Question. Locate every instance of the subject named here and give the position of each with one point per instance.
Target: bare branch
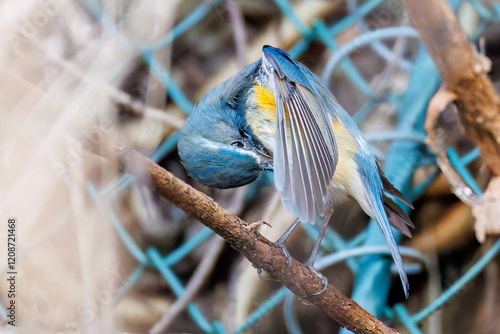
(436, 142)
(463, 71)
(261, 252)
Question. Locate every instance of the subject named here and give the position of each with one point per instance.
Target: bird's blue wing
(305, 153)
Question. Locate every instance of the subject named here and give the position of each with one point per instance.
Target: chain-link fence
(385, 70)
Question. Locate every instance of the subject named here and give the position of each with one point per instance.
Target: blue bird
(276, 115)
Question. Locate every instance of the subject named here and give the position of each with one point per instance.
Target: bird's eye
(238, 143)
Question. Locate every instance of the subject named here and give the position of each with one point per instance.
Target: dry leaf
(487, 211)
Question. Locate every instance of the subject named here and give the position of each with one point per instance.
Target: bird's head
(214, 146)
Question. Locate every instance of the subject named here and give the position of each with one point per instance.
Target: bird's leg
(312, 258)
(281, 244)
(281, 241)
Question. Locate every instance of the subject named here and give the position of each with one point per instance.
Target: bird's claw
(259, 273)
(259, 223)
(289, 258)
(320, 275)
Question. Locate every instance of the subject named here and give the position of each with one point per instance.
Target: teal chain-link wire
(364, 254)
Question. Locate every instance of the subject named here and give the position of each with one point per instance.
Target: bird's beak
(266, 160)
(267, 166)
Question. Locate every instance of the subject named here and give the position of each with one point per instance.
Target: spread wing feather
(305, 153)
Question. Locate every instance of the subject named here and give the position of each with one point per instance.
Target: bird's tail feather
(383, 211)
(384, 221)
(397, 217)
(389, 188)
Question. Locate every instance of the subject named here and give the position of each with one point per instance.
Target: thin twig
(239, 32)
(240, 235)
(195, 283)
(137, 107)
(436, 142)
(463, 71)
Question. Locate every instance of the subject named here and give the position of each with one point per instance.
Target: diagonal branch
(299, 279)
(463, 71)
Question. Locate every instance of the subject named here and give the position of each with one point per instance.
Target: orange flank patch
(261, 114)
(265, 100)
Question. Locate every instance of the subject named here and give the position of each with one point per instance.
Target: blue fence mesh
(372, 280)
(366, 255)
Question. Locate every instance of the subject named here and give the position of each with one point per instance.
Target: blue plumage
(277, 115)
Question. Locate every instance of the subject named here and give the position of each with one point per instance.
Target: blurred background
(99, 252)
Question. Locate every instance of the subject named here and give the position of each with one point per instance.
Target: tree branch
(263, 254)
(463, 70)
